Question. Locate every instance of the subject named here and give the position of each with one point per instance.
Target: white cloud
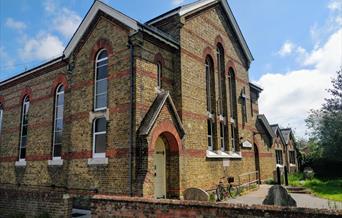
(42, 47)
(335, 5)
(49, 6)
(66, 22)
(287, 98)
(14, 24)
(177, 2)
(287, 48)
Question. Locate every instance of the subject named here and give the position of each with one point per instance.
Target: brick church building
(143, 109)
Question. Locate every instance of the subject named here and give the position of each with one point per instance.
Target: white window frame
(223, 134)
(25, 111)
(1, 117)
(58, 93)
(96, 81)
(98, 155)
(159, 75)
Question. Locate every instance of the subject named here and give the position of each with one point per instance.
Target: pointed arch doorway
(160, 169)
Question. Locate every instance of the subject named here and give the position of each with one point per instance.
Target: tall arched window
(159, 74)
(58, 123)
(1, 116)
(210, 93)
(99, 137)
(222, 101)
(233, 110)
(24, 128)
(101, 73)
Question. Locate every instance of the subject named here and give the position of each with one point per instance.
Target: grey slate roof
(276, 128)
(154, 111)
(262, 118)
(286, 133)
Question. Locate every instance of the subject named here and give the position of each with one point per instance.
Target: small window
(244, 106)
(99, 137)
(159, 75)
(279, 157)
(24, 128)
(58, 123)
(1, 116)
(223, 135)
(101, 73)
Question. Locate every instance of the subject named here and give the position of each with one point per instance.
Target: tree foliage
(326, 124)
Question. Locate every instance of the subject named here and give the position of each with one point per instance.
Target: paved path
(303, 200)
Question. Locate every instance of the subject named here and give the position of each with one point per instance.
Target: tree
(326, 123)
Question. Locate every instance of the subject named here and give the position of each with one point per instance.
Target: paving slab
(303, 200)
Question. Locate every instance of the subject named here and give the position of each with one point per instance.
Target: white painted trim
(98, 161)
(20, 163)
(98, 6)
(223, 155)
(30, 71)
(55, 162)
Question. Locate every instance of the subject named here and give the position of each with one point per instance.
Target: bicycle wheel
(233, 191)
(219, 193)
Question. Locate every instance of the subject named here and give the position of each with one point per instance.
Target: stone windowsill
(293, 165)
(98, 161)
(223, 155)
(280, 166)
(21, 163)
(55, 162)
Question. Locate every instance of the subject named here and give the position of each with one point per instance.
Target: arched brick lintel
(60, 79)
(168, 131)
(230, 64)
(159, 58)
(27, 91)
(208, 52)
(102, 43)
(219, 40)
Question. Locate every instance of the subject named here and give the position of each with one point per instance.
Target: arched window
(24, 128)
(159, 74)
(1, 116)
(99, 137)
(222, 100)
(233, 110)
(210, 93)
(101, 73)
(58, 123)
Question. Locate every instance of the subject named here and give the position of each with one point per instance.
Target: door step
(298, 190)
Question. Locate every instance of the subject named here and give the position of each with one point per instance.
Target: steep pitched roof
(154, 111)
(201, 4)
(287, 133)
(262, 118)
(276, 128)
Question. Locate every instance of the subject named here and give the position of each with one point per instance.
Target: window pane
(23, 141)
(101, 86)
(101, 72)
(100, 125)
(102, 55)
(101, 101)
(24, 133)
(57, 150)
(100, 143)
(22, 153)
(60, 99)
(59, 125)
(25, 119)
(59, 112)
(209, 127)
(58, 138)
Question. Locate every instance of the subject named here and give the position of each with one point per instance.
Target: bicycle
(231, 190)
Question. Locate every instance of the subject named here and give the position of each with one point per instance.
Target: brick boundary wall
(118, 206)
(25, 201)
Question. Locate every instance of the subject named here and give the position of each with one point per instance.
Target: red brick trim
(27, 91)
(2, 101)
(251, 154)
(219, 40)
(166, 129)
(208, 52)
(101, 43)
(60, 79)
(159, 58)
(230, 64)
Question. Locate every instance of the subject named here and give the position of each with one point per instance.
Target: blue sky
(290, 40)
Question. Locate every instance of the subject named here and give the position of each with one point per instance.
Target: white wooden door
(159, 170)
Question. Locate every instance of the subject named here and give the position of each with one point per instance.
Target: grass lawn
(329, 188)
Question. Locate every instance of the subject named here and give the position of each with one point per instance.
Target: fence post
(286, 179)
